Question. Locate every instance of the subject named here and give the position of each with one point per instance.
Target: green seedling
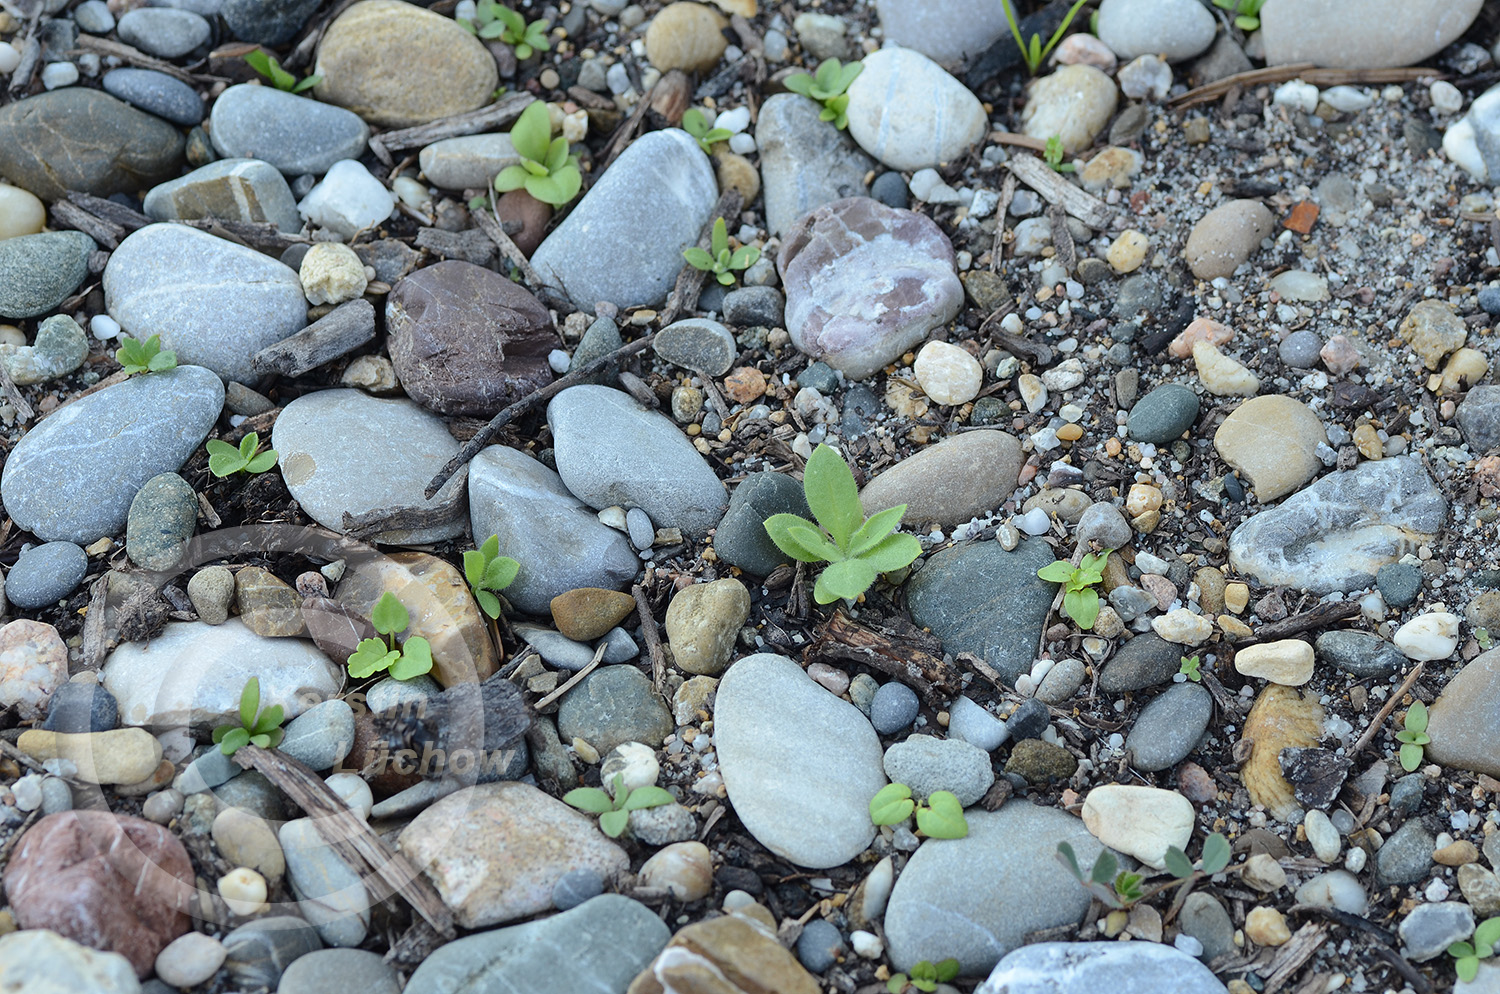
(828, 86)
(925, 976)
(1413, 736)
(488, 573)
(256, 727)
(856, 548)
(614, 812)
(1246, 13)
(405, 661)
(495, 21)
(1033, 52)
(941, 817)
(1080, 599)
(1189, 669)
(1053, 156)
(1120, 889)
(547, 171)
(1466, 955)
(721, 262)
(144, 357)
(226, 460)
(1215, 857)
(1482, 636)
(695, 123)
(266, 64)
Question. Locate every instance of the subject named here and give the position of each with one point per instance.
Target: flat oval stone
(647, 207)
(1363, 655)
(294, 134)
(1145, 661)
(698, 344)
(163, 31)
(267, 22)
(466, 340)
(155, 93)
(81, 139)
(1273, 441)
(1226, 236)
(101, 449)
(396, 64)
(865, 282)
(468, 161)
(1163, 415)
(162, 517)
(958, 478)
(215, 303)
(1386, 33)
(1466, 718)
(559, 542)
(612, 451)
(910, 114)
(233, 189)
(805, 162)
(260, 950)
(340, 969)
(1117, 967)
(38, 272)
(948, 32)
(1074, 103)
(1173, 29)
(330, 893)
(1169, 727)
(326, 440)
(44, 574)
(800, 765)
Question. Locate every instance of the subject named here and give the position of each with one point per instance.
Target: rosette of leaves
(828, 85)
(488, 573)
(940, 817)
(1080, 599)
(1413, 736)
(410, 659)
(135, 356)
(614, 812)
(695, 123)
(1466, 955)
(721, 262)
(546, 171)
(856, 548)
(493, 20)
(226, 460)
(256, 727)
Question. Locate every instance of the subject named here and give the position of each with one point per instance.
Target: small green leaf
(1216, 853)
(946, 969)
(698, 259)
(250, 702)
(778, 528)
(314, 80)
(813, 541)
(262, 462)
(1058, 571)
(891, 805)
(827, 75)
(613, 823)
(233, 740)
(389, 615)
(694, 123)
(1247, 23)
(799, 83)
(220, 732)
(896, 984)
(875, 528)
(1104, 868)
(647, 797)
(1467, 968)
(846, 580)
(848, 74)
(500, 573)
(259, 61)
(1069, 860)
(523, 51)
(248, 445)
(415, 661)
(1082, 606)
(892, 553)
(269, 719)
(1460, 949)
(474, 566)
(725, 278)
(511, 178)
(491, 547)
(1406, 736)
(1411, 757)
(744, 257)
(1177, 863)
(832, 495)
(942, 817)
(1416, 717)
(590, 799)
(532, 132)
(371, 656)
(719, 239)
(1487, 935)
(488, 603)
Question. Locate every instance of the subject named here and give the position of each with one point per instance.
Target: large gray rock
(975, 898)
(1465, 721)
(598, 946)
(612, 451)
(910, 114)
(865, 282)
(295, 134)
(1086, 967)
(233, 189)
(623, 241)
(1386, 33)
(950, 482)
(560, 544)
(805, 162)
(326, 441)
(193, 674)
(100, 450)
(1337, 533)
(947, 32)
(799, 764)
(1173, 29)
(979, 598)
(213, 302)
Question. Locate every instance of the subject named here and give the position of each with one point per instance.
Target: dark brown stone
(113, 883)
(518, 205)
(371, 757)
(335, 629)
(465, 340)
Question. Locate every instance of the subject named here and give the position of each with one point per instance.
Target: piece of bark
(1055, 190)
(334, 335)
(469, 245)
(70, 215)
(491, 118)
(1319, 617)
(901, 651)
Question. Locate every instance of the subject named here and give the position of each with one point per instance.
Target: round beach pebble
(1226, 236)
(21, 212)
(948, 374)
(686, 36)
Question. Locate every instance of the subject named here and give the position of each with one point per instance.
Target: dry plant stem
(1055, 190)
(382, 869)
(496, 115)
(1296, 952)
(1390, 705)
(574, 680)
(997, 248)
(1323, 614)
(653, 637)
(1305, 71)
(483, 437)
(12, 394)
(104, 46)
(93, 625)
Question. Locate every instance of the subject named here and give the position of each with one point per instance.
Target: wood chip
(1055, 190)
(1295, 953)
(491, 118)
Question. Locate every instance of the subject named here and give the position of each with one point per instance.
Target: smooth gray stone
(698, 344)
(38, 272)
(975, 898)
(94, 16)
(163, 31)
(1479, 416)
(613, 705)
(1205, 919)
(623, 241)
(1430, 929)
(232, 189)
(741, 538)
(340, 971)
(1086, 967)
(1337, 533)
(162, 518)
(612, 451)
(621, 647)
(601, 945)
(602, 338)
(297, 135)
(215, 303)
(560, 544)
(261, 950)
(979, 598)
(1163, 414)
(1406, 855)
(267, 22)
(81, 707)
(328, 890)
(762, 306)
(1360, 654)
(156, 93)
(1173, 29)
(332, 336)
(926, 764)
(208, 771)
(804, 162)
(44, 574)
(321, 736)
(1169, 727)
(101, 449)
(555, 647)
(1145, 661)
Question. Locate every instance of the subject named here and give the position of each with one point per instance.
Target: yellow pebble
(1367, 441)
(1266, 927)
(1236, 597)
(1070, 433)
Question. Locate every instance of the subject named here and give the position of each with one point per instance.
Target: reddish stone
(113, 883)
(1302, 218)
(518, 205)
(465, 340)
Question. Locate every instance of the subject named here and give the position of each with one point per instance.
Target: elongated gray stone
(328, 890)
(1337, 533)
(233, 189)
(37, 272)
(805, 162)
(98, 451)
(1117, 967)
(295, 134)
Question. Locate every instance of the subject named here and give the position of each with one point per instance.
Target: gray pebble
(155, 93)
(211, 590)
(927, 764)
(94, 17)
(163, 31)
(819, 945)
(1028, 721)
(1205, 919)
(1406, 856)
(575, 887)
(890, 189)
(1061, 682)
(44, 574)
(162, 806)
(893, 708)
(1169, 727)
(1406, 793)
(620, 647)
(556, 648)
(81, 707)
(162, 517)
(754, 305)
(1399, 583)
(642, 531)
(820, 376)
(1362, 654)
(699, 344)
(1163, 414)
(1431, 928)
(862, 691)
(663, 825)
(1137, 294)
(56, 796)
(1300, 349)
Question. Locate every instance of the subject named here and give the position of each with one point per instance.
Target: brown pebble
(1457, 853)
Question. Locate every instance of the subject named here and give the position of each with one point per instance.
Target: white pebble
(1446, 98)
(742, 143)
(1354, 859)
(59, 74)
(1349, 99)
(466, 10)
(354, 791)
(1151, 564)
(104, 327)
(412, 193)
(559, 361)
(1187, 944)
(734, 121)
(243, 890)
(9, 58)
(1034, 522)
(1428, 636)
(28, 792)
(1297, 95)
(1436, 891)
(1321, 834)
(866, 944)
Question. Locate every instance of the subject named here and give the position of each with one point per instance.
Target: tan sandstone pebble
(331, 273)
(686, 36)
(702, 622)
(1458, 853)
(1266, 927)
(1112, 167)
(1226, 237)
(1263, 873)
(1221, 375)
(1367, 441)
(1288, 662)
(1236, 597)
(122, 756)
(947, 373)
(1273, 441)
(1433, 330)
